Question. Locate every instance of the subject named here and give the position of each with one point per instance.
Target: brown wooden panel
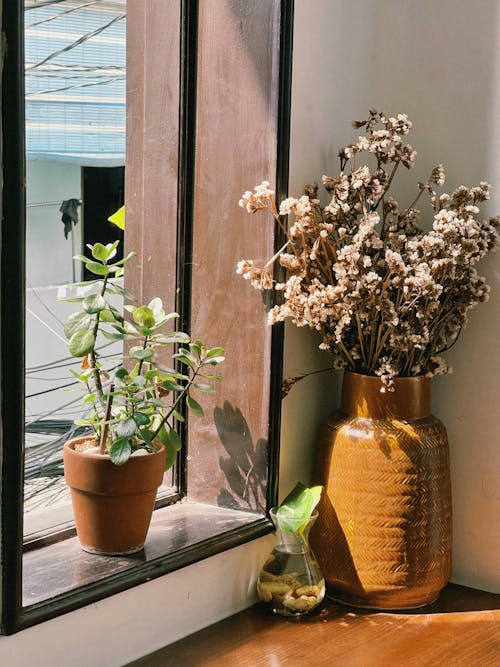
(153, 65)
(236, 148)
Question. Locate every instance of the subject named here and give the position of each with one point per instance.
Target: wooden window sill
(461, 629)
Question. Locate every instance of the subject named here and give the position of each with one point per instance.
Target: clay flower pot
(112, 504)
(383, 536)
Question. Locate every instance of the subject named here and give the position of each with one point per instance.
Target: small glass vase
(291, 582)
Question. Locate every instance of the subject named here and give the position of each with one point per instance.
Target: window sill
(61, 577)
(462, 622)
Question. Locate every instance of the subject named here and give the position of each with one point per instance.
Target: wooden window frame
(12, 303)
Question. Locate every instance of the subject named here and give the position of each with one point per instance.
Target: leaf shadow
(245, 466)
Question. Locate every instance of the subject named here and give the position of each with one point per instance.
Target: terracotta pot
(112, 505)
(383, 536)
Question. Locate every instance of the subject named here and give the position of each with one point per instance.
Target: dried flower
(387, 297)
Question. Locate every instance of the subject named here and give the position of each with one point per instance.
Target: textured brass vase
(383, 536)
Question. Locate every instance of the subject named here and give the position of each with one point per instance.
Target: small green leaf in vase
(295, 511)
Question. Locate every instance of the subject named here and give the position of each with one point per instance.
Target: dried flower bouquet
(387, 296)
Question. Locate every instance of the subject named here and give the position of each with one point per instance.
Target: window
(208, 113)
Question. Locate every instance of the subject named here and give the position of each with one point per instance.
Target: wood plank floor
(461, 629)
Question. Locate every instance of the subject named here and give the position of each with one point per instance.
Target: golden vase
(383, 536)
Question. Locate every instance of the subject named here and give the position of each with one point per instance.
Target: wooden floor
(462, 629)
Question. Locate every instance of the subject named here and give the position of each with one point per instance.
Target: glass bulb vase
(291, 582)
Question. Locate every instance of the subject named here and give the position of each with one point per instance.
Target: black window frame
(15, 617)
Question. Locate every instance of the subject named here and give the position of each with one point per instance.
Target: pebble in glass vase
(291, 582)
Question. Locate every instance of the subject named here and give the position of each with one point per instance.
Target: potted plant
(133, 404)
(388, 297)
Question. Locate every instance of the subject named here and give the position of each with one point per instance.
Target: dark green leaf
(171, 386)
(121, 373)
(184, 360)
(195, 407)
(76, 322)
(81, 343)
(120, 451)
(141, 419)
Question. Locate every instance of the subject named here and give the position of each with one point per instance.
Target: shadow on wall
(245, 467)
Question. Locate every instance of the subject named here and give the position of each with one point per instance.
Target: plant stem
(105, 423)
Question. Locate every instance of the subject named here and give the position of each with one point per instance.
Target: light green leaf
(76, 322)
(144, 316)
(94, 304)
(100, 252)
(295, 511)
(81, 343)
(215, 352)
(207, 388)
(126, 427)
(142, 354)
(213, 361)
(97, 269)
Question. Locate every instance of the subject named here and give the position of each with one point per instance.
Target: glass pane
(75, 155)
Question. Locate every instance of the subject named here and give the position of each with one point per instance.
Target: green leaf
(75, 322)
(213, 361)
(175, 439)
(177, 415)
(171, 338)
(212, 377)
(113, 336)
(295, 511)
(184, 360)
(120, 451)
(207, 388)
(82, 422)
(195, 407)
(100, 252)
(141, 353)
(215, 352)
(82, 258)
(126, 427)
(81, 343)
(146, 435)
(94, 304)
(121, 373)
(172, 442)
(151, 374)
(171, 386)
(89, 398)
(97, 269)
(141, 419)
(144, 316)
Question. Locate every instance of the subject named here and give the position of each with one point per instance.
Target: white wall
(48, 253)
(348, 56)
(440, 63)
